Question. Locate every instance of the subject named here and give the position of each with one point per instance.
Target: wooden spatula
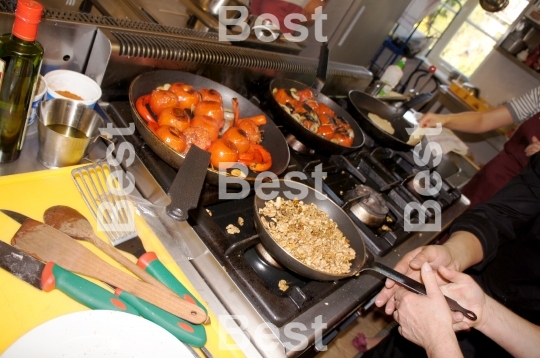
(74, 224)
(48, 244)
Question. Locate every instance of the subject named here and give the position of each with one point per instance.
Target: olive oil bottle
(20, 62)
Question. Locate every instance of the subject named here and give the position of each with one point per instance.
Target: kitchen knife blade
(49, 276)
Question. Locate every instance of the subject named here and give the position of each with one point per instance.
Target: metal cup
(66, 129)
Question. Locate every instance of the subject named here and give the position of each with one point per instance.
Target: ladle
(74, 224)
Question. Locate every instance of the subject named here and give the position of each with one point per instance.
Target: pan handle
(415, 286)
(322, 68)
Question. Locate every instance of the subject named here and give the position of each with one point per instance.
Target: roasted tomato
(282, 97)
(207, 123)
(325, 131)
(257, 158)
(251, 129)
(304, 94)
(160, 100)
(238, 137)
(198, 136)
(142, 107)
(325, 110)
(172, 137)
(187, 96)
(174, 117)
(342, 139)
(209, 94)
(312, 104)
(211, 109)
(223, 154)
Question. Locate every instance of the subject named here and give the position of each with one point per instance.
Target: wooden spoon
(48, 244)
(74, 224)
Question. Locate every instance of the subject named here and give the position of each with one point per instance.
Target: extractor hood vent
(132, 44)
(164, 48)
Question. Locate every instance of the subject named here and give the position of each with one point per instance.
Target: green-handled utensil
(49, 276)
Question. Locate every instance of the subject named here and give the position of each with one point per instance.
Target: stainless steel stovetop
(247, 286)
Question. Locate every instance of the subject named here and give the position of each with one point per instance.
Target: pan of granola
(309, 234)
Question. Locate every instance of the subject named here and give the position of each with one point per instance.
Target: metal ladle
(494, 5)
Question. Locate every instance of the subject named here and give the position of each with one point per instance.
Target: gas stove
(386, 174)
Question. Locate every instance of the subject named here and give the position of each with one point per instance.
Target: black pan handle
(187, 185)
(419, 99)
(415, 286)
(322, 68)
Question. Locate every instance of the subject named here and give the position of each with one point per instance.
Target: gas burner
(298, 146)
(266, 257)
(367, 204)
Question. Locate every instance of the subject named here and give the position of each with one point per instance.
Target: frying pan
(363, 104)
(363, 260)
(304, 135)
(273, 140)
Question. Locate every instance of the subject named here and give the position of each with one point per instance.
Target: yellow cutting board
(22, 306)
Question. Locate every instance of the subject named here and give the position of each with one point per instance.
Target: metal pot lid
(370, 200)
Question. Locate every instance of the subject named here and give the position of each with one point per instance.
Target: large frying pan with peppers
(267, 153)
(314, 119)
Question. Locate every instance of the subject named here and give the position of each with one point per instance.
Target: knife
(192, 334)
(47, 277)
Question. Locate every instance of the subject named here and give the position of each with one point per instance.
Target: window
(470, 33)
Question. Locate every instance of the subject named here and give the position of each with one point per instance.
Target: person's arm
(470, 122)
(477, 234)
(427, 320)
(461, 251)
(517, 336)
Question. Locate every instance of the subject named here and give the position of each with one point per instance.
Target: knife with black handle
(47, 277)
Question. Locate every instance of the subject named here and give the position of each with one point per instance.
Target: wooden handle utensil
(48, 244)
(74, 224)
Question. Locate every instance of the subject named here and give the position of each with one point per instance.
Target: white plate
(98, 333)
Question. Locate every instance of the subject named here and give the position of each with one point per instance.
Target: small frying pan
(303, 134)
(362, 262)
(363, 104)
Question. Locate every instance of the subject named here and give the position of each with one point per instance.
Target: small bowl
(65, 84)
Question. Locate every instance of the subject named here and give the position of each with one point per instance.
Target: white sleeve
(525, 106)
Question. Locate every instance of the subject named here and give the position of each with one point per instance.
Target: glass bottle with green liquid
(20, 62)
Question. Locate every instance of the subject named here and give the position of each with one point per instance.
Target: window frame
(434, 55)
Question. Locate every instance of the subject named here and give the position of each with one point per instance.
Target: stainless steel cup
(66, 129)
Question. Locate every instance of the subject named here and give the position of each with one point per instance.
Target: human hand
(533, 148)
(464, 290)
(431, 120)
(424, 320)
(409, 265)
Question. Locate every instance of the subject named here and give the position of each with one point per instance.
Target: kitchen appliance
(245, 285)
(386, 171)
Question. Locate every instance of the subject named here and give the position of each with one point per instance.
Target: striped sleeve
(525, 106)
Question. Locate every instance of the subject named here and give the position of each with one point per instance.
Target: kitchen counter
(24, 307)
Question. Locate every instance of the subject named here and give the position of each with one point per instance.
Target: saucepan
(364, 104)
(362, 261)
(273, 139)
